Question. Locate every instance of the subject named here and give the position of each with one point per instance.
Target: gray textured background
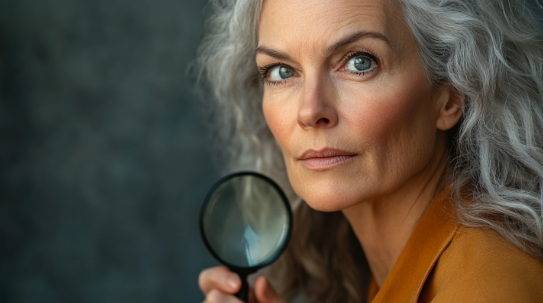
(103, 157)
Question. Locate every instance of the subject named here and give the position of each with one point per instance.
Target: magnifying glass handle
(243, 293)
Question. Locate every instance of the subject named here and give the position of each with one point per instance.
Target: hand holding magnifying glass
(245, 223)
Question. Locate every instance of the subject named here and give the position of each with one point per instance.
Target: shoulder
(481, 266)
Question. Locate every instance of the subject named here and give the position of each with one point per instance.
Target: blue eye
(281, 73)
(359, 64)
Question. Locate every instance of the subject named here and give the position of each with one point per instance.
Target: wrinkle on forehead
(313, 25)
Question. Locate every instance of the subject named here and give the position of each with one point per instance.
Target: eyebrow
(345, 41)
(355, 37)
(272, 53)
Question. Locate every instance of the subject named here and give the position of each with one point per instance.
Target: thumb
(265, 293)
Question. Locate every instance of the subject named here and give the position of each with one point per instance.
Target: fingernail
(233, 281)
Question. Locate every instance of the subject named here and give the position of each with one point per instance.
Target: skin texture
(390, 121)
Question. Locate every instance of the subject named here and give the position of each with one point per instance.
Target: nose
(317, 107)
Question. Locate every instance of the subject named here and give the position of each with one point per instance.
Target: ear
(451, 108)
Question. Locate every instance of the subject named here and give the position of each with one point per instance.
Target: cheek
(280, 112)
(380, 117)
(275, 121)
(394, 127)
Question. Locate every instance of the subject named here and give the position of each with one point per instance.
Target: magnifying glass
(245, 223)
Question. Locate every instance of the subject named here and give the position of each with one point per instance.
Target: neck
(384, 224)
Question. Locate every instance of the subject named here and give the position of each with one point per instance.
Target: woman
(411, 129)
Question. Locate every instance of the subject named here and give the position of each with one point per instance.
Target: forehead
(318, 22)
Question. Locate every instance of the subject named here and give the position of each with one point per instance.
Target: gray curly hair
(491, 51)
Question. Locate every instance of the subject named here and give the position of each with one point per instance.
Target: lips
(325, 159)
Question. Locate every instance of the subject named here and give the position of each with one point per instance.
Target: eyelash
(264, 70)
(357, 53)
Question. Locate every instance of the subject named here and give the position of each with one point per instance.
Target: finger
(220, 278)
(217, 296)
(252, 298)
(265, 293)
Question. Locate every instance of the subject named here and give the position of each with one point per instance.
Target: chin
(324, 206)
(332, 190)
(326, 198)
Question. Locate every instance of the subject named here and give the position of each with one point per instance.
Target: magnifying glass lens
(246, 221)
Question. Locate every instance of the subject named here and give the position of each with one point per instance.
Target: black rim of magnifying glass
(271, 258)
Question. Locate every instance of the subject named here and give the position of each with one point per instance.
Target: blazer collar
(431, 236)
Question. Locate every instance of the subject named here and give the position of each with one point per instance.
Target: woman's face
(347, 98)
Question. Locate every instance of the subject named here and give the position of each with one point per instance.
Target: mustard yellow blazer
(444, 261)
